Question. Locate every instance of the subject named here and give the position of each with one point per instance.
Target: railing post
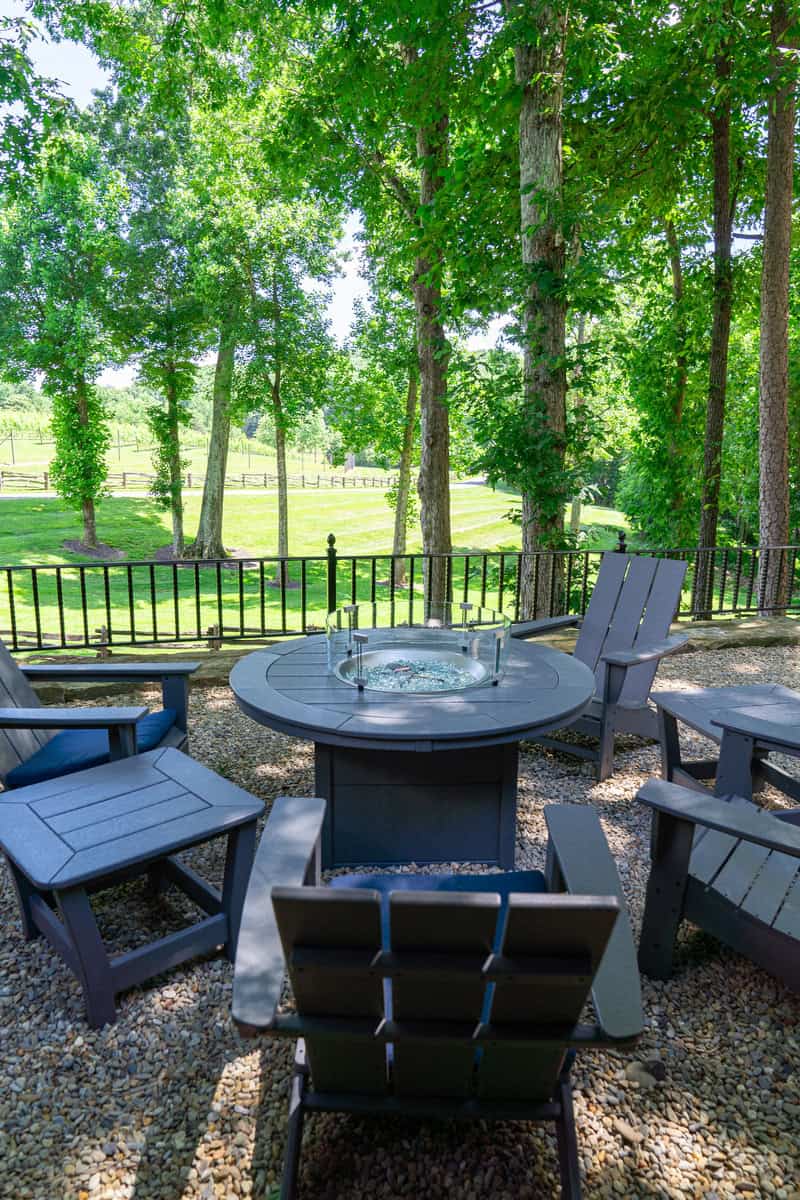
(621, 546)
(331, 573)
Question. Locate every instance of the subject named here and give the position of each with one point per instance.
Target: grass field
(144, 603)
(31, 455)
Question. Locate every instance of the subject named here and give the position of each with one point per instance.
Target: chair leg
(605, 753)
(238, 865)
(671, 848)
(294, 1138)
(567, 1140)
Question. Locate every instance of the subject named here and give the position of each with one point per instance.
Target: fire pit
(419, 763)
(454, 647)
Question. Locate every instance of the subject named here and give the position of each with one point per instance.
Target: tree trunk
(540, 72)
(724, 209)
(89, 523)
(580, 400)
(433, 484)
(404, 484)
(87, 503)
(280, 461)
(208, 543)
(174, 466)
(679, 326)
(773, 440)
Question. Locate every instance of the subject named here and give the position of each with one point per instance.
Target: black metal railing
(57, 606)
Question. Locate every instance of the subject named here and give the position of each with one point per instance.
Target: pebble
(170, 1102)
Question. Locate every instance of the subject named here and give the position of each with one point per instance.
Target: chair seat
(78, 749)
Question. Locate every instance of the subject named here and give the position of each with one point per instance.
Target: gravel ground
(170, 1103)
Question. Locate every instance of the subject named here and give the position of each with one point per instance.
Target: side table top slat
(87, 787)
(95, 811)
(129, 825)
(39, 852)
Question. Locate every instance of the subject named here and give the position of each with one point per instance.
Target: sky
(80, 73)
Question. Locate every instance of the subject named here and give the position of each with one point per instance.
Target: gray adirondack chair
(40, 742)
(729, 866)
(462, 1000)
(622, 638)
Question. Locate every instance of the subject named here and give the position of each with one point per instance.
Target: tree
(59, 254)
(288, 352)
(539, 66)
(773, 443)
(158, 314)
(376, 406)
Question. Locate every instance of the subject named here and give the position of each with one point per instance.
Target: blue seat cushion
(502, 883)
(77, 749)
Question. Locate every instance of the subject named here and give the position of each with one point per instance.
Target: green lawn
(32, 532)
(33, 456)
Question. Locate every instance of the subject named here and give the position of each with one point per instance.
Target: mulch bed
(102, 550)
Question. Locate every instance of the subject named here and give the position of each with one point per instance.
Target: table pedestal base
(391, 807)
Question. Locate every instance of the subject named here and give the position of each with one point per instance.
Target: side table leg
(670, 744)
(24, 889)
(238, 865)
(93, 967)
(735, 770)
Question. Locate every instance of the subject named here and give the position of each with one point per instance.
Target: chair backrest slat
(450, 925)
(662, 604)
(631, 602)
(17, 745)
(602, 604)
(543, 926)
(348, 919)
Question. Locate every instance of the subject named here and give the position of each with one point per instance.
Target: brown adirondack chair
(462, 1000)
(40, 742)
(622, 638)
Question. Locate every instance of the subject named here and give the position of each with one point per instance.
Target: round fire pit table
(413, 777)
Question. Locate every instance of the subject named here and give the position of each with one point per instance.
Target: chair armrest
(70, 718)
(583, 861)
(746, 821)
(288, 848)
(643, 654)
(526, 629)
(90, 672)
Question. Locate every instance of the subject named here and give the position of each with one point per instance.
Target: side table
(70, 836)
(748, 722)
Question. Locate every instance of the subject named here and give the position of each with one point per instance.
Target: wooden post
(331, 573)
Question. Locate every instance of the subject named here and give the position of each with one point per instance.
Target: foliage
(32, 107)
(59, 252)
